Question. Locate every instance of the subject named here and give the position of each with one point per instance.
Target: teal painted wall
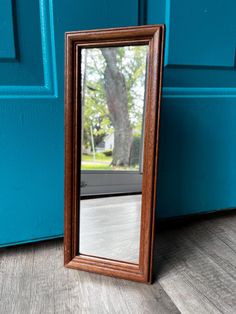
(197, 169)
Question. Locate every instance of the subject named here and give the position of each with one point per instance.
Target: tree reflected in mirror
(113, 92)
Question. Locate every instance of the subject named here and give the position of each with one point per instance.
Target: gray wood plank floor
(195, 268)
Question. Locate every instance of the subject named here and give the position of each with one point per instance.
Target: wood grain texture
(195, 267)
(153, 36)
(34, 280)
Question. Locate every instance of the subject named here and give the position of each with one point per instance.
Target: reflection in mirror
(113, 92)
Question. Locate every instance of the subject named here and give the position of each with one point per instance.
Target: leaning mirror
(112, 106)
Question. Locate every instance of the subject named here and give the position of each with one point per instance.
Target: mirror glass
(113, 84)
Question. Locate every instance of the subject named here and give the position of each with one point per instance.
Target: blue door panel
(32, 108)
(7, 51)
(197, 169)
(199, 34)
(21, 46)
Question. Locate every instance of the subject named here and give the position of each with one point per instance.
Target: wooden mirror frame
(153, 36)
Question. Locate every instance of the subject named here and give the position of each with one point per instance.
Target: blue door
(197, 169)
(32, 108)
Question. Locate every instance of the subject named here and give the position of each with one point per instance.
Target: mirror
(113, 81)
(113, 85)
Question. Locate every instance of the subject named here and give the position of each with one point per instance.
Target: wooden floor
(195, 273)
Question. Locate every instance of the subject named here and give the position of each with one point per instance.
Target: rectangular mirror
(112, 102)
(113, 91)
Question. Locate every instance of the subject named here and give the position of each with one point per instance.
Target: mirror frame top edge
(153, 36)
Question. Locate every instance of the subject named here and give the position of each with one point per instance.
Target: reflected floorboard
(110, 227)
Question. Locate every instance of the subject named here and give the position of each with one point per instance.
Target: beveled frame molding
(153, 36)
